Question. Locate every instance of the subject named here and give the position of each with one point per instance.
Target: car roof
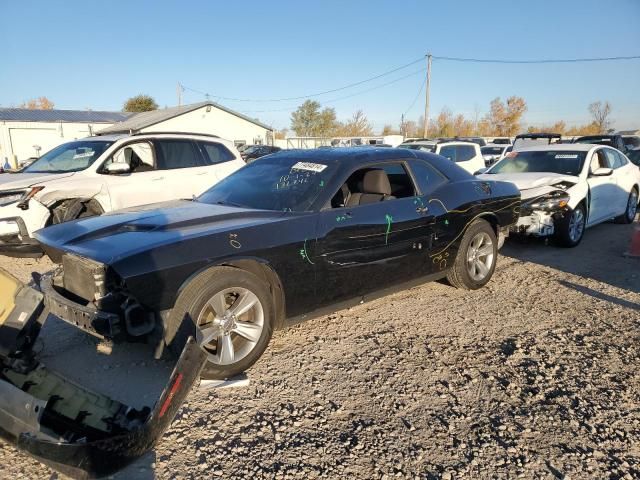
(598, 136)
(570, 147)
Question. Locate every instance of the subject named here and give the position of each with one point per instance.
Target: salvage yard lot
(535, 375)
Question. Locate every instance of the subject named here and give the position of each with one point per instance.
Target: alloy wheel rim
(632, 206)
(480, 256)
(576, 225)
(230, 325)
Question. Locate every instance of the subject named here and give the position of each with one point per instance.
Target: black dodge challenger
(287, 237)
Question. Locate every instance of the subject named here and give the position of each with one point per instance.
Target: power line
(563, 60)
(344, 97)
(415, 99)
(317, 94)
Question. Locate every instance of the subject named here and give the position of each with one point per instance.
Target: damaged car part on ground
(257, 251)
(72, 429)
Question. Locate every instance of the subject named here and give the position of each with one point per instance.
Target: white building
(204, 117)
(30, 133)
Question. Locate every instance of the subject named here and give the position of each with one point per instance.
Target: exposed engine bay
(541, 209)
(71, 428)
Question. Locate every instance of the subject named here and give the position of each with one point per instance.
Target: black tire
(73, 209)
(459, 275)
(181, 323)
(563, 233)
(629, 216)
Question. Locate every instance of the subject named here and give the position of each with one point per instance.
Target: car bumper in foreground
(70, 428)
(15, 240)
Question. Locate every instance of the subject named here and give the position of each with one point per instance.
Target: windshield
(565, 162)
(492, 150)
(69, 157)
(273, 183)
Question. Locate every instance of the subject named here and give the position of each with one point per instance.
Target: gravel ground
(535, 376)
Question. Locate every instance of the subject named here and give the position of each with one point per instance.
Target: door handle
(422, 210)
(157, 178)
(203, 173)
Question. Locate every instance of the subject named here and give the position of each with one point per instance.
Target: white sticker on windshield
(566, 156)
(83, 155)
(312, 167)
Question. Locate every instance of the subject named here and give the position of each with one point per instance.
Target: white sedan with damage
(567, 188)
(100, 174)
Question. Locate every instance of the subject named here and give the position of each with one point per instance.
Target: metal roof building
(28, 133)
(203, 117)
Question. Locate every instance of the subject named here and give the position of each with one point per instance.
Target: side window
(375, 183)
(173, 154)
(622, 159)
(612, 158)
(427, 177)
(465, 153)
(449, 151)
(216, 153)
(139, 157)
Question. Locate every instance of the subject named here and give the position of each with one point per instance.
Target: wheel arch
(261, 269)
(58, 204)
(492, 219)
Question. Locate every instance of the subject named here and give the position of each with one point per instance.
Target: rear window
(492, 150)
(458, 153)
(216, 153)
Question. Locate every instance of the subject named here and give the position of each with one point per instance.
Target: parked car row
(566, 187)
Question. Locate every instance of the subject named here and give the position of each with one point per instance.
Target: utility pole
(179, 92)
(426, 100)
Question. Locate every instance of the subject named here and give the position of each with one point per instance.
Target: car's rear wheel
(476, 260)
(569, 230)
(230, 313)
(629, 214)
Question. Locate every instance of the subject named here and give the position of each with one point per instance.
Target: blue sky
(90, 54)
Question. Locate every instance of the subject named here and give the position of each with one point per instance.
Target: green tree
(310, 121)
(140, 103)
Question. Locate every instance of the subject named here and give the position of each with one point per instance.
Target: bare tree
(40, 103)
(600, 112)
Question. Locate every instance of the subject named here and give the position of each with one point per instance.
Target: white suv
(99, 174)
(466, 154)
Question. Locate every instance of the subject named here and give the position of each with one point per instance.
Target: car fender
(82, 191)
(578, 193)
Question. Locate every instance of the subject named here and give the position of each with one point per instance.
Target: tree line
(504, 119)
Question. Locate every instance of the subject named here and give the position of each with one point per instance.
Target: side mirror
(602, 172)
(117, 168)
(481, 171)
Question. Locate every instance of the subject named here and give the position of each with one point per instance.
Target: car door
(143, 184)
(602, 189)
(623, 180)
(369, 247)
(181, 162)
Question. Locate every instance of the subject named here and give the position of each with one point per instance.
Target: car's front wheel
(629, 214)
(570, 229)
(230, 313)
(476, 260)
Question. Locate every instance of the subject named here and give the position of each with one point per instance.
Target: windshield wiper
(230, 204)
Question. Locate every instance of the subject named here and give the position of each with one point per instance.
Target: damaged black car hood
(115, 236)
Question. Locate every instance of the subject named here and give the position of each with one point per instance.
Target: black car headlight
(551, 202)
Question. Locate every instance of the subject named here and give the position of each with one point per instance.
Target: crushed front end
(540, 213)
(64, 425)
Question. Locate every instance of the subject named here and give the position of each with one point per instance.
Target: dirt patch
(534, 376)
